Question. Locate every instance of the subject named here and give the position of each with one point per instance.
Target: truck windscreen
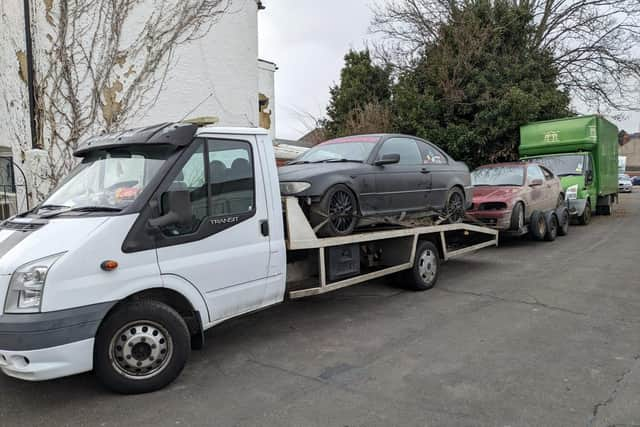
(564, 165)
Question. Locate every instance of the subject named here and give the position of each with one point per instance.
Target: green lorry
(583, 152)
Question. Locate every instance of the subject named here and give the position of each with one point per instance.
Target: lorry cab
(583, 152)
(157, 211)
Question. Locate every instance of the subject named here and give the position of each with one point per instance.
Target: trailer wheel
(538, 225)
(563, 221)
(142, 346)
(426, 267)
(552, 226)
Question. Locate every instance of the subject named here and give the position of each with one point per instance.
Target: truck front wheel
(142, 346)
(585, 218)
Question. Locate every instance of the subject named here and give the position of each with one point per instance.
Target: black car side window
(431, 155)
(405, 147)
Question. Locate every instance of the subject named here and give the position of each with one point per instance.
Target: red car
(506, 194)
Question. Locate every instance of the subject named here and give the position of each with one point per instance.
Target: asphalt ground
(527, 334)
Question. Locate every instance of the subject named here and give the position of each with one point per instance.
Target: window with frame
(432, 156)
(405, 147)
(534, 172)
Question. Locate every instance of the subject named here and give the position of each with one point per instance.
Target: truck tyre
(552, 226)
(563, 221)
(517, 217)
(537, 225)
(455, 206)
(141, 346)
(585, 218)
(426, 267)
(336, 214)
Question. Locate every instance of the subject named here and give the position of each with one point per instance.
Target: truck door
(225, 250)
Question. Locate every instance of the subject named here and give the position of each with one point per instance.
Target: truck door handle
(425, 171)
(264, 227)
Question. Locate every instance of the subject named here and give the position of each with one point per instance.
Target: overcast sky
(307, 39)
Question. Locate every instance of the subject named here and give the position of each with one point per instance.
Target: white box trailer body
(88, 289)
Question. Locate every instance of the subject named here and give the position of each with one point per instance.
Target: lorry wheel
(552, 226)
(537, 225)
(336, 214)
(585, 218)
(142, 346)
(424, 273)
(563, 221)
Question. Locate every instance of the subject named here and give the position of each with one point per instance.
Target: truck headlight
(291, 188)
(27, 283)
(572, 192)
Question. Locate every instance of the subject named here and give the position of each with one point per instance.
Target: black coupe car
(358, 179)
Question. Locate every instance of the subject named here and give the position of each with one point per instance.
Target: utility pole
(30, 73)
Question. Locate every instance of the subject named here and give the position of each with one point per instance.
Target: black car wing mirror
(388, 159)
(178, 207)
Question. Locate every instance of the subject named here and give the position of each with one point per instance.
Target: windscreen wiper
(83, 209)
(338, 161)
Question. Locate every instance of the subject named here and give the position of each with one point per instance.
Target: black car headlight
(293, 188)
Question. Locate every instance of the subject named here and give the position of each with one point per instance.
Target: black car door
(436, 164)
(402, 186)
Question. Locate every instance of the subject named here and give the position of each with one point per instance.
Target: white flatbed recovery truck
(163, 232)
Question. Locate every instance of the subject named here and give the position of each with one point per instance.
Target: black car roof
(177, 134)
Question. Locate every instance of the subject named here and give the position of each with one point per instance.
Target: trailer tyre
(552, 226)
(538, 225)
(426, 267)
(142, 346)
(563, 221)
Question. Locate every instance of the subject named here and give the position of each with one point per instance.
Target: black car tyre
(552, 226)
(336, 214)
(142, 346)
(424, 273)
(517, 217)
(537, 225)
(455, 206)
(563, 221)
(585, 218)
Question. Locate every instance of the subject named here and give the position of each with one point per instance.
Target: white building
(217, 73)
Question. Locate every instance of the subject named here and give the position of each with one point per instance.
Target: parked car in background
(506, 194)
(624, 183)
(345, 181)
(635, 180)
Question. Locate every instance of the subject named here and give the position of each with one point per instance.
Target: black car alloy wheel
(342, 211)
(455, 210)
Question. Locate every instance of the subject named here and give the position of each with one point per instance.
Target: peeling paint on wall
(48, 6)
(22, 64)
(111, 106)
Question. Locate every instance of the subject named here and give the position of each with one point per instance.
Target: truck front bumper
(576, 206)
(43, 346)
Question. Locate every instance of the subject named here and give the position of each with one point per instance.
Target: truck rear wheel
(142, 346)
(424, 273)
(585, 218)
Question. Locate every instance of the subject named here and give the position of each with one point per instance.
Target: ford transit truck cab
(161, 233)
(583, 152)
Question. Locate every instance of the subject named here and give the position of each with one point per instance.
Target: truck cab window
(232, 181)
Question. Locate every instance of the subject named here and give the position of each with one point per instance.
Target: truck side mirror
(388, 159)
(588, 178)
(177, 204)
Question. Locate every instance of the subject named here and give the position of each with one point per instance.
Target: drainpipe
(30, 73)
